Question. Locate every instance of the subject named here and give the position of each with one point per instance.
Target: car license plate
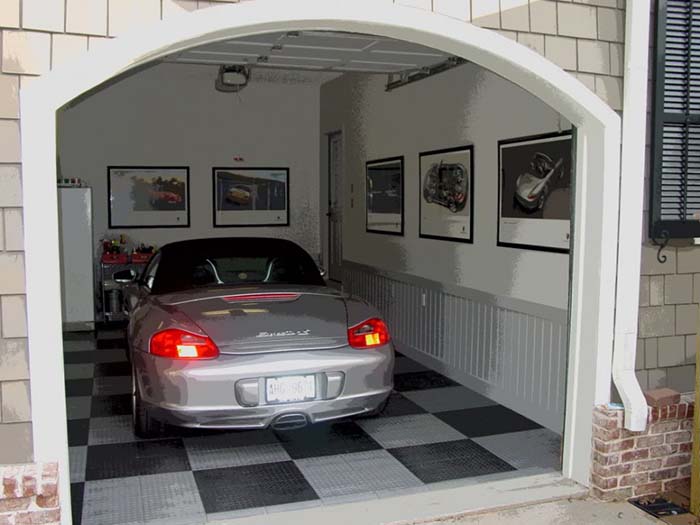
(290, 388)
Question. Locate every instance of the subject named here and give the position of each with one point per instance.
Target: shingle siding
(37, 35)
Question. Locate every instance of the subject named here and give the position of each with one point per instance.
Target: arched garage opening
(596, 192)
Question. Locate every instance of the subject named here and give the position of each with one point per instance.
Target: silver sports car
(244, 333)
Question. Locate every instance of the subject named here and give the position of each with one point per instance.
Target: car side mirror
(124, 276)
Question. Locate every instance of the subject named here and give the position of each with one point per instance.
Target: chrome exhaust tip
(290, 422)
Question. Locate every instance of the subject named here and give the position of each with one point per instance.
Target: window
(675, 179)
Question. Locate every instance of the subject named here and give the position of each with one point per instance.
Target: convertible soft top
(180, 262)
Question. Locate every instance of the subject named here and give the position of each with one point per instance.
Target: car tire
(377, 411)
(145, 426)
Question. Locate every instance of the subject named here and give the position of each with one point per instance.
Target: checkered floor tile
(432, 430)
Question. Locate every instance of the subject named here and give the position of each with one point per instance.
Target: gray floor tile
(79, 371)
(114, 429)
(448, 398)
(215, 452)
(112, 502)
(111, 385)
(356, 473)
(76, 459)
(404, 431)
(527, 449)
(171, 498)
(78, 407)
(79, 346)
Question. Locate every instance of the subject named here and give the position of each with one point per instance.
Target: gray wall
(467, 105)
(171, 115)
(490, 317)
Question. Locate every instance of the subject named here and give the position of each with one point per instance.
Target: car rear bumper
(208, 394)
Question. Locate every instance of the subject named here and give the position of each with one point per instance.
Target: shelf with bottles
(121, 251)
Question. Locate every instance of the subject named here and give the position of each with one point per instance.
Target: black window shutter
(675, 178)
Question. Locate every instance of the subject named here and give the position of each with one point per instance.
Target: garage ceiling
(318, 51)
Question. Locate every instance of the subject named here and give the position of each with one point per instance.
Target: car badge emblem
(286, 333)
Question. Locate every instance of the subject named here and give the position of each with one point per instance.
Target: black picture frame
(465, 148)
(215, 196)
(376, 162)
(529, 139)
(112, 224)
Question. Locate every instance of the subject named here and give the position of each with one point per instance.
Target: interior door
(335, 206)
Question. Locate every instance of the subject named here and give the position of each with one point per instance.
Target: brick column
(627, 464)
(29, 495)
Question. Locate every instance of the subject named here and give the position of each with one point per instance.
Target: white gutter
(634, 123)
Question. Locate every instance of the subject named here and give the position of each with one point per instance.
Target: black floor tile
(136, 459)
(110, 325)
(78, 387)
(405, 365)
(400, 406)
(486, 421)
(122, 368)
(103, 344)
(421, 381)
(104, 406)
(450, 460)
(326, 439)
(76, 500)
(78, 336)
(78, 431)
(74, 358)
(94, 356)
(228, 489)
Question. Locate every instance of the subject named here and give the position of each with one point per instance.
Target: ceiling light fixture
(232, 79)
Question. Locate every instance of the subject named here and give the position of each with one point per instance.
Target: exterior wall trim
(597, 193)
(631, 212)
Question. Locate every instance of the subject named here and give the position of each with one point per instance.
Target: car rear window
(231, 262)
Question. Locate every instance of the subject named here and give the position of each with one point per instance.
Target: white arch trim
(596, 193)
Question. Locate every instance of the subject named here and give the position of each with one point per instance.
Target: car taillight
(179, 344)
(369, 333)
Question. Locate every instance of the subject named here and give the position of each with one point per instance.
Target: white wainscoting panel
(509, 350)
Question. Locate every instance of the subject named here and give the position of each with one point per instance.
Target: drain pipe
(634, 123)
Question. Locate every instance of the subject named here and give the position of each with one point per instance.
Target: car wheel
(144, 424)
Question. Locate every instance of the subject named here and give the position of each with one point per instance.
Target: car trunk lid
(262, 321)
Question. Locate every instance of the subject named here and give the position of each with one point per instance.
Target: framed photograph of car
(251, 197)
(446, 194)
(534, 200)
(384, 191)
(148, 196)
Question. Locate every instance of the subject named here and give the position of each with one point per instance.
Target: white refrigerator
(77, 265)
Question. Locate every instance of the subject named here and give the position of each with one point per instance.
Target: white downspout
(634, 124)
